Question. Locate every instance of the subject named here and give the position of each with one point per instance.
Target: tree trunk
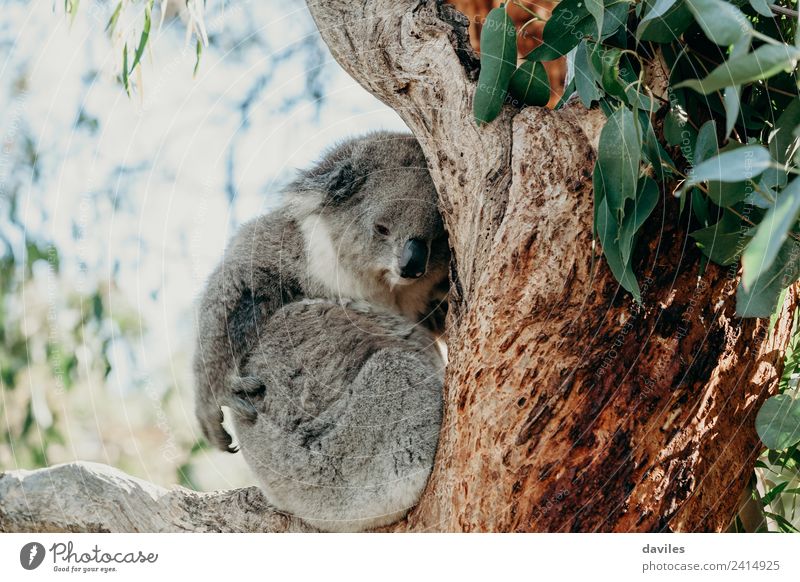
(568, 406)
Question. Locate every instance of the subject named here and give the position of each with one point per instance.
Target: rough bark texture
(569, 407)
(89, 497)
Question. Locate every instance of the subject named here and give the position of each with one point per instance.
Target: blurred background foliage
(114, 208)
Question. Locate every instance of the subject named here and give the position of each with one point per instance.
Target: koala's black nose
(414, 260)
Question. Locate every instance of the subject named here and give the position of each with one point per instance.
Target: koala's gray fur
(338, 413)
(322, 243)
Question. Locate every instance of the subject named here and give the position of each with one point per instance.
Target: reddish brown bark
(569, 407)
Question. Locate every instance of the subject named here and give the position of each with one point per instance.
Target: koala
(362, 224)
(338, 412)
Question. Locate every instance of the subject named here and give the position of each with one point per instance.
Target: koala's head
(376, 201)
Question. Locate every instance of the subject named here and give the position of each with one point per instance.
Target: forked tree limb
(567, 406)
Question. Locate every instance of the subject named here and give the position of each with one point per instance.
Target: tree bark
(90, 497)
(568, 406)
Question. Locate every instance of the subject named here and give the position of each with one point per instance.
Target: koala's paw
(215, 433)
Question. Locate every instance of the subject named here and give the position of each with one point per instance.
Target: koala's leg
(363, 457)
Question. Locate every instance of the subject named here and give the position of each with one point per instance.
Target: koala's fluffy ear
(343, 181)
(338, 176)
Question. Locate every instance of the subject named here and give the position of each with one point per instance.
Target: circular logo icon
(31, 555)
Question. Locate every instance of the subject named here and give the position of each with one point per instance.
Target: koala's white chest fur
(324, 270)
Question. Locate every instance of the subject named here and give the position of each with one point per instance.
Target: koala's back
(343, 429)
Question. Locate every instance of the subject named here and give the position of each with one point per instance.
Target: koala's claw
(214, 431)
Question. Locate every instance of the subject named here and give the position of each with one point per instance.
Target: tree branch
(91, 497)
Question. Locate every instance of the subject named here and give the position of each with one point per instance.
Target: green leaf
(112, 22)
(772, 232)
(198, 51)
(782, 141)
(608, 230)
(706, 144)
(722, 22)
(584, 76)
(618, 158)
(764, 62)
(498, 62)
(653, 151)
(666, 27)
(677, 130)
(731, 98)
(570, 22)
(656, 11)
(143, 38)
(125, 82)
(597, 9)
(744, 163)
(762, 7)
(607, 62)
(759, 301)
(639, 209)
(700, 207)
(773, 493)
(728, 193)
(783, 524)
(778, 422)
(722, 242)
(530, 84)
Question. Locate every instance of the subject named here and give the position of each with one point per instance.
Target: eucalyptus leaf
(597, 9)
(724, 241)
(744, 163)
(657, 11)
(721, 21)
(782, 141)
(764, 62)
(706, 144)
(759, 301)
(772, 232)
(762, 7)
(778, 422)
(618, 158)
(608, 231)
(498, 63)
(143, 38)
(584, 77)
(530, 84)
(639, 209)
(570, 22)
(666, 27)
(653, 151)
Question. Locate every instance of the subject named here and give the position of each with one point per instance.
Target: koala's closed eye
(381, 229)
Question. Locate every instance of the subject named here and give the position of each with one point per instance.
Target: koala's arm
(243, 291)
(436, 312)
